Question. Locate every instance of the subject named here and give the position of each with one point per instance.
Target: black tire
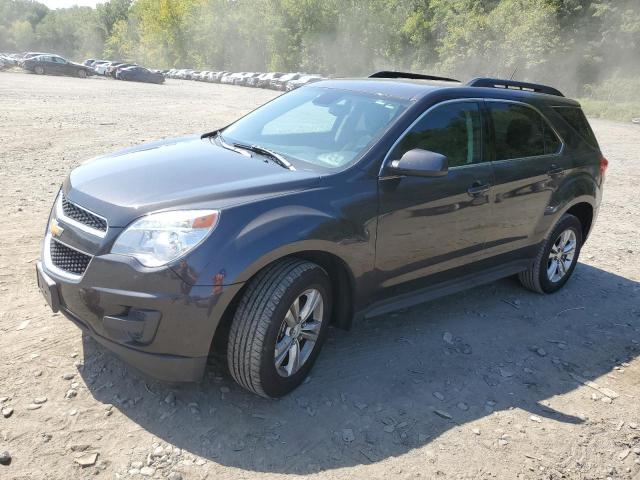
(535, 278)
(39, 70)
(82, 73)
(257, 324)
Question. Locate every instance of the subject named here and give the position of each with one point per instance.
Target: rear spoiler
(514, 85)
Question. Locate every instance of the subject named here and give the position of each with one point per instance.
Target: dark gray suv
(343, 199)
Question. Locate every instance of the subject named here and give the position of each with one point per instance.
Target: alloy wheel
(561, 255)
(298, 332)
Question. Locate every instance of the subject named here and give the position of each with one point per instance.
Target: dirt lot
(493, 383)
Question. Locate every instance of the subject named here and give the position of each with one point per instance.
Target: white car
(101, 67)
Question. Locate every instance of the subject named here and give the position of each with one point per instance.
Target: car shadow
(394, 383)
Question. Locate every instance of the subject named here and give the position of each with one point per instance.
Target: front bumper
(152, 320)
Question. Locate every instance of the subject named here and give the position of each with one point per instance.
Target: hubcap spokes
(561, 255)
(298, 332)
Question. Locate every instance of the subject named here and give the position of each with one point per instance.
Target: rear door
(429, 225)
(528, 165)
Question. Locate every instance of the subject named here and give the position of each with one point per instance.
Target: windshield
(317, 128)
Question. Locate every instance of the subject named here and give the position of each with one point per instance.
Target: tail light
(604, 163)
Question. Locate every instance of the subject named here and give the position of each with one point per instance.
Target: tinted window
(575, 117)
(521, 132)
(452, 130)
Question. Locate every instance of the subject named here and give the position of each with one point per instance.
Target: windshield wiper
(244, 152)
(276, 157)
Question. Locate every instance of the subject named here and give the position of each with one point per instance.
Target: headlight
(160, 238)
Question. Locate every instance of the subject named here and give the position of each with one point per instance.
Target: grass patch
(620, 111)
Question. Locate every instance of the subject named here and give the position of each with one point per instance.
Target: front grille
(82, 216)
(68, 259)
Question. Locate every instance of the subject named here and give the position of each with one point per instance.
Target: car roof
(405, 89)
(413, 89)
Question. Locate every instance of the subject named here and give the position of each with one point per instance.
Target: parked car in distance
(101, 67)
(112, 70)
(303, 80)
(220, 75)
(264, 80)
(280, 83)
(140, 74)
(56, 65)
(244, 79)
(338, 200)
(28, 55)
(231, 78)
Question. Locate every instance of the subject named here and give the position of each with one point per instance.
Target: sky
(70, 3)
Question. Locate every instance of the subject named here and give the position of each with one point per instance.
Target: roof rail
(514, 85)
(413, 76)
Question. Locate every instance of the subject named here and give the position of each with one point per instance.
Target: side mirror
(420, 163)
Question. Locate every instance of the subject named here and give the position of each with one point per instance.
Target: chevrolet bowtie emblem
(55, 228)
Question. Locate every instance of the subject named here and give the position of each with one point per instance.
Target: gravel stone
(87, 460)
(147, 471)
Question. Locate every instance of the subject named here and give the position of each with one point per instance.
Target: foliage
(573, 44)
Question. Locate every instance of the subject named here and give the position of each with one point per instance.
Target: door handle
(478, 189)
(554, 170)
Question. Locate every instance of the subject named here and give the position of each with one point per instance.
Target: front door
(429, 225)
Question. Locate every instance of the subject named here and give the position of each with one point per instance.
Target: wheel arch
(584, 209)
(584, 213)
(342, 291)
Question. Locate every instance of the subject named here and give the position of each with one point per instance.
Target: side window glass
(519, 131)
(452, 130)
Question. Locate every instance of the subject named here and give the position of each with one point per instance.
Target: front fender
(338, 221)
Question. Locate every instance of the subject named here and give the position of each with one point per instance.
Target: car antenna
(514, 73)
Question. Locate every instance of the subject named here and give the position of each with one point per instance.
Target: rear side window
(452, 130)
(521, 132)
(574, 116)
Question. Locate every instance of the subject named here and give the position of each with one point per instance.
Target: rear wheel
(556, 259)
(39, 70)
(279, 326)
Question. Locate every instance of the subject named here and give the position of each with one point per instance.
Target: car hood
(187, 172)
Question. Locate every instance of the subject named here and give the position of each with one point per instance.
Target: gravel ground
(495, 383)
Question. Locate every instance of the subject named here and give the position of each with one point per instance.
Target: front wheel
(279, 326)
(82, 73)
(39, 70)
(556, 259)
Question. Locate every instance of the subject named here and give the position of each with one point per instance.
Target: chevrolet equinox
(339, 200)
